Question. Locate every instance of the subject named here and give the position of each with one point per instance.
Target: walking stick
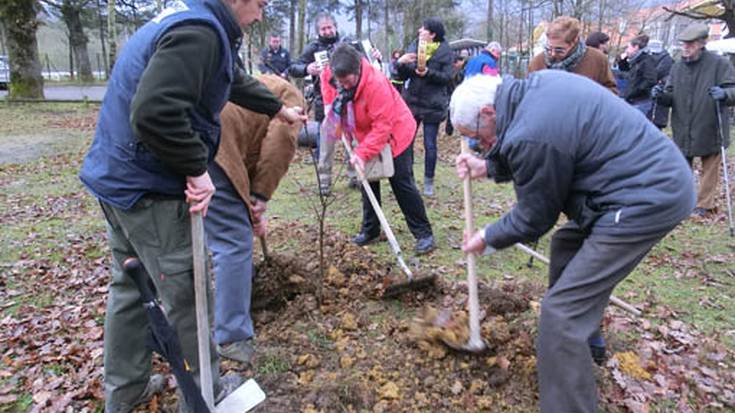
(723, 155)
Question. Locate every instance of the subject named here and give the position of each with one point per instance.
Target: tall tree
(21, 24)
(490, 20)
(101, 24)
(302, 29)
(71, 12)
(111, 34)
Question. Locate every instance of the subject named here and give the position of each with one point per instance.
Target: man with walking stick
(699, 88)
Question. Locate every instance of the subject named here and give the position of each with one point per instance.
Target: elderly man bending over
(620, 181)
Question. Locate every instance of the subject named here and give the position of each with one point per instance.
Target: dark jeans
(431, 130)
(407, 195)
(584, 270)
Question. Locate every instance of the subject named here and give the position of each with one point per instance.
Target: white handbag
(380, 166)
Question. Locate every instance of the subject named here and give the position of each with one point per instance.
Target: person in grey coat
(696, 82)
(620, 181)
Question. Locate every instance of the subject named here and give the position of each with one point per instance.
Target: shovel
(613, 299)
(247, 395)
(413, 283)
(475, 344)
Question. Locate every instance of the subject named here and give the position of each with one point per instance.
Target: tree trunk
(358, 19)
(111, 34)
(71, 57)
(292, 28)
(388, 28)
(19, 19)
(729, 18)
(302, 28)
(2, 40)
(490, 12)
(102, 40)
(71, 14)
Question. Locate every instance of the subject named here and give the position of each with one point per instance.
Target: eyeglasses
(555, 50)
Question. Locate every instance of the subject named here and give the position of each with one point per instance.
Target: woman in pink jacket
(381, 117)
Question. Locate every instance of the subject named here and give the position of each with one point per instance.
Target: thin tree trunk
(490, 12)
(111, 34)
(388, 28)
(20, 22)
(2, 40)
(71, 58)
(358, 19)
(292, 27)
(302, 28)
(102, 40)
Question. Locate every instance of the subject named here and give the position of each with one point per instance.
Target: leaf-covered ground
(351, 351)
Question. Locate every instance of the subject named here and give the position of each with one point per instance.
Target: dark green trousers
(158, 232)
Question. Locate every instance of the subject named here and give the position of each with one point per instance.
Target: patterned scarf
(568, 63)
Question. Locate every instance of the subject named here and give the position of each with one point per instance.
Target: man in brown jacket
(253, 156)
(565, 51)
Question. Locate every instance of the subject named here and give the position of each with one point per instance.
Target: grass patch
(272, 364)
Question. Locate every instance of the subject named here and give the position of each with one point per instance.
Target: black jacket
(298, 69)
(641, 77)
(274, 61)
(427, 96)
(663, 63)
(557, 141)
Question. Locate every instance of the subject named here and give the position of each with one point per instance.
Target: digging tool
(413, 283)
(264, 248)
(163, 338)
(725, 177)
(615, 300)
(247, 395)
(475, 344)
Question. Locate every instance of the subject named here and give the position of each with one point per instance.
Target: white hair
(494, 46)
(470, 96)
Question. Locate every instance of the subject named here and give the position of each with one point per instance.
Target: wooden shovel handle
(199, 254)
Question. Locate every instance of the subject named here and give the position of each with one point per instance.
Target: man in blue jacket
(158, 129)
(621, 183)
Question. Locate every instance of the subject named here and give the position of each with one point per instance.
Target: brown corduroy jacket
(593, 65)
(255, 151)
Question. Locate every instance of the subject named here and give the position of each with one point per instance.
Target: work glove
(717, 93)
(657, 91)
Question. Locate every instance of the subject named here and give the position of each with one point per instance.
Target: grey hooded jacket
(570, 146)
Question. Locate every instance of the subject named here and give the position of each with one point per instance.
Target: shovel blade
(243, 399)
(417, 283)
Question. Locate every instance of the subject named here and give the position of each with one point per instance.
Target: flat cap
(694, 31)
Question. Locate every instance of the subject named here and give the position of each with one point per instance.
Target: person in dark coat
(696, 82)
(663, 61)
(640, 70)
(274, 59)
(426, 92)
(621, 183)
(306, 64)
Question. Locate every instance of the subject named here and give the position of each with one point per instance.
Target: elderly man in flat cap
(696, 82)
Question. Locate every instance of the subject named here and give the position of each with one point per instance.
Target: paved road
(70, 92)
